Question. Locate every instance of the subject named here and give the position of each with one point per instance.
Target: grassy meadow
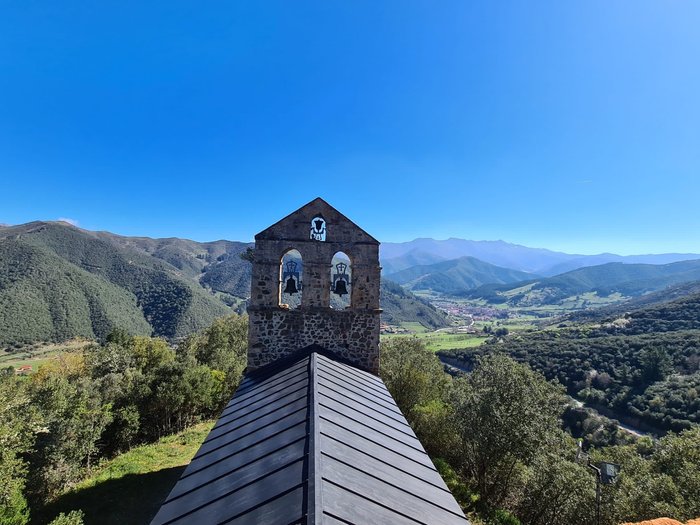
(130, 487)
(39, 354)
(442, 340)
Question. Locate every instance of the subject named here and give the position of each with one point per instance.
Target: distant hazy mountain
(407, 260)
(604, 258)
(456, 275)
(58, 281)
(629, 280)
(534, 260)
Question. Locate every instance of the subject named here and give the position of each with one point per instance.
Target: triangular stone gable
(297, 225)
(318, 232)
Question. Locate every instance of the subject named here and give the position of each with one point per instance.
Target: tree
(557, 490)
(678, 455)
(413, 374)
(74, 416)
(505, 415)
(417, 381)
(656, 364)
(17, 422)
(74, 517)
(223, 346)
(640, 492)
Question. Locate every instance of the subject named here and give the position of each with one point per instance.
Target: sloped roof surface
(312, 441)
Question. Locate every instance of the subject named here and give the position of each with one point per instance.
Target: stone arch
(291, 270)
(341, 280)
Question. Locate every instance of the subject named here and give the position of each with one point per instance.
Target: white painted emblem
(318, 228)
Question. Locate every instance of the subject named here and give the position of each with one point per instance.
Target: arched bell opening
(341, 281)
(291, 286)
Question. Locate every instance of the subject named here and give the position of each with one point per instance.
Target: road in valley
(626, 428)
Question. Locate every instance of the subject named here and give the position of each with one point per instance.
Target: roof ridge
(332, 462)
(315, 511)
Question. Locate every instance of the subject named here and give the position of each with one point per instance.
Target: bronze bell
(291, 286)
(340, 288)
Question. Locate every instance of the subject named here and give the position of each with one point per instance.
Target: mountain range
(58, 281)
(626, 280)
(399, 256)
(455, 275)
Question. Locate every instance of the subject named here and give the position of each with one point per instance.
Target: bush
(503, 517)
(74, 517)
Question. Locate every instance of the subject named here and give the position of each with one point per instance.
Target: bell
(291, 286)
(340, 288)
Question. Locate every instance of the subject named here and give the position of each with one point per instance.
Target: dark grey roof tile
(311, 440)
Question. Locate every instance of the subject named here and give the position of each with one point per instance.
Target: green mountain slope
(215, 265)
(627, 280)
(400, 305)
(172, 303)
(455, 276)
(195, 260)
(673, 309)
(45, 298)
(649, 300)
(229, 273)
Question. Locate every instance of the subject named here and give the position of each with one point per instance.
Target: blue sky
(566, 125)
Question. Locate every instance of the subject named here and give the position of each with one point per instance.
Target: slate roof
(308, 441)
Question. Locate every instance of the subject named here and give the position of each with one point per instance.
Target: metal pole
(597, 500)
(597, 490)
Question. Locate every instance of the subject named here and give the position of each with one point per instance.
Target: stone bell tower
(318, 232)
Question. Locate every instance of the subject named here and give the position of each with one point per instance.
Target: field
(131, 487)
(414, 327)
(442, 340)
(39, 354)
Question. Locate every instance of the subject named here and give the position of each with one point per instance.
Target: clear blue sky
(571, 125)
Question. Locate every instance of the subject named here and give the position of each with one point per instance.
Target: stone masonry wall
(352, 335)
(275, 331)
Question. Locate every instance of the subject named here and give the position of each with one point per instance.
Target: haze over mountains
(625, 280)
(455, 275)
(499, 272)
(539, 261)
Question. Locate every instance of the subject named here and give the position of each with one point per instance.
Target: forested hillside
(45, 298)
(57, 424)
(643, 365)
(399, 306)
(217, 265)
(496, 435)
(143, 287)
(675, 308)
